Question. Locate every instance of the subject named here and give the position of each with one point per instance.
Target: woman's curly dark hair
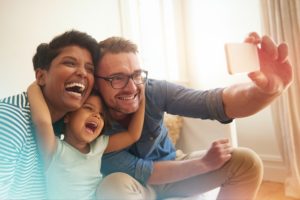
(45, 52)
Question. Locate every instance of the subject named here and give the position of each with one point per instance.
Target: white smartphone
(241, 57)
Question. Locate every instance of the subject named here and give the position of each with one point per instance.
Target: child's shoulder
(100, 144)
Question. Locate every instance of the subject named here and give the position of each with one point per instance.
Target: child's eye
(88, 107)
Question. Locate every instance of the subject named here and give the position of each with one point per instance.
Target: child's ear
(40, 75)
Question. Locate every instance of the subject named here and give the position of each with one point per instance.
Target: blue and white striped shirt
(21, 170)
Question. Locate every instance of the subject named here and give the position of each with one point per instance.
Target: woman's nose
(81, 70)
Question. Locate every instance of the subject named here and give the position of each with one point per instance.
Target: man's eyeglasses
(120, 81)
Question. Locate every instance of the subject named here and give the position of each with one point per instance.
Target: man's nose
(131, 84)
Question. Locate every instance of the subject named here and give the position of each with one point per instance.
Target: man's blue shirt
(154, 144)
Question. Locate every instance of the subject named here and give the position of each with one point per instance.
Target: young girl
(73, 164)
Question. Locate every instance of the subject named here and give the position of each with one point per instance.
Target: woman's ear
(66, 119)
(40, 75)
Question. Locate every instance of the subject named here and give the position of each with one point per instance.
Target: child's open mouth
(91, 126)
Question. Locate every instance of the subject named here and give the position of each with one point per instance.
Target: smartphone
(241, 57)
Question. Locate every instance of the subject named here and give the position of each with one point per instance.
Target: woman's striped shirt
(21, 170)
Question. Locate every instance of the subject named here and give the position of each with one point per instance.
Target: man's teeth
(127, 98)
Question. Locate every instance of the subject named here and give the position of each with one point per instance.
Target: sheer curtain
(157, 27)
(281, 20)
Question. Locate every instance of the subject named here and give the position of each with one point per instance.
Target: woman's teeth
(75, 88)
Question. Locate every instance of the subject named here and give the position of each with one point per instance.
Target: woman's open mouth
(76, 89)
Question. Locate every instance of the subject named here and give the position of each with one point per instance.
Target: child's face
(85, 124)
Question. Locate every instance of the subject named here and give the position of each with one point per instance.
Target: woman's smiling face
(69, 80)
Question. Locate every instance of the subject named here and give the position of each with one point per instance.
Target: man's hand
(275, 70)
(169, 171)
(275, 75)
(218, 154)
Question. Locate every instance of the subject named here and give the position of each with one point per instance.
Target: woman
(64, 69)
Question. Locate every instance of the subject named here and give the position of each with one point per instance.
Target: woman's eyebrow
(75, 59)
(69, 57)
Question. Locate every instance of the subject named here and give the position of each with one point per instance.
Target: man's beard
(119, 112)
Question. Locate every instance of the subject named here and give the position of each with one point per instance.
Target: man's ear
(40, 75)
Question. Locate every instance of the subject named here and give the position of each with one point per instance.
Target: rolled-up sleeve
(214, 102)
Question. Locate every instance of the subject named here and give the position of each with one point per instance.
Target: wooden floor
(272, 191)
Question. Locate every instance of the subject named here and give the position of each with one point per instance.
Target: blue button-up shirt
(154, 144)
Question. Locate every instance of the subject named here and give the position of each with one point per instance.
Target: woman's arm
(124, 139)
(42, 120)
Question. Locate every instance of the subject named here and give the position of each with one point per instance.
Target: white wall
(26, 24)
(257, 132)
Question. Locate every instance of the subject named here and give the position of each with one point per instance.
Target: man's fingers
(219, 143)
(269, 47)
(254, 34)
(230, 150)
(282, 52)
(259, 79)
(253, 38)
(223, 141)
(222, 146)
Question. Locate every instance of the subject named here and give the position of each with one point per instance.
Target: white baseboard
(274, 168)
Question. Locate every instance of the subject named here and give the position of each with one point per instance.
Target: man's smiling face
(125, 100)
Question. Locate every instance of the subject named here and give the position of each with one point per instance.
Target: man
(150, 169)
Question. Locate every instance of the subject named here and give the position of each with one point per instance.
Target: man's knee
(247, 161)
(116, 181)
(120, 186)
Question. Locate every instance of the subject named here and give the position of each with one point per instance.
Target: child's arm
(124, 139)
(42, 120)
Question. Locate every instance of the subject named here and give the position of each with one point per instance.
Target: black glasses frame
(110, 79)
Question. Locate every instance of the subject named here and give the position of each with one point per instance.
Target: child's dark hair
(45, 52)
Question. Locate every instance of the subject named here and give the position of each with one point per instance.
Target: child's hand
(33, 88)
